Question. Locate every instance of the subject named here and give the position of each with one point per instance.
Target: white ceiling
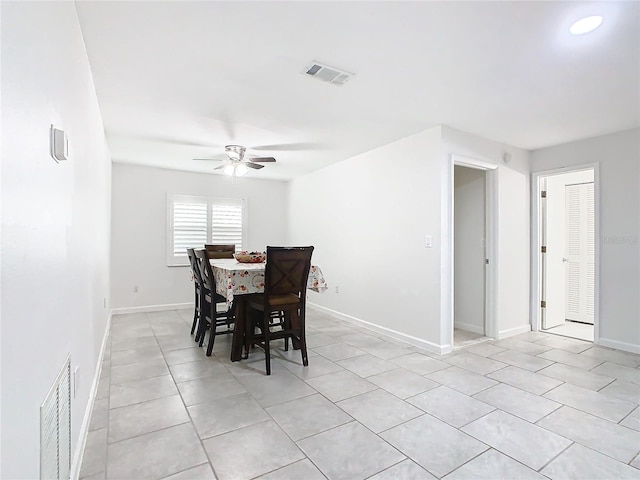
(178, 80)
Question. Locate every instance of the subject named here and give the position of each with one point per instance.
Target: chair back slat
(206, 272)
(220, 251)
(195, 268)
(287, 270)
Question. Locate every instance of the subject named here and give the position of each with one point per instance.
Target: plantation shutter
(226, 222)
(194, 221)
(189, 223)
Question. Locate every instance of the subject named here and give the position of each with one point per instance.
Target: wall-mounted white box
(59, 144)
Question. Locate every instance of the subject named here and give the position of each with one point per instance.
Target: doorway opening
(469, 254)
(567, 253)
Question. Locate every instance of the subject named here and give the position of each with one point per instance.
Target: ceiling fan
(237, 164)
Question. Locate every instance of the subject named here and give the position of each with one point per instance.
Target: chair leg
(212, 332)
(267, 350)
(303, 341)
(286, 325)
(196, 308)
(249, 330)
(203, 330)
(202, 325)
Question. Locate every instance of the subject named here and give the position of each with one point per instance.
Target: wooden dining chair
(286, 273)
(211, 318)
(220, 251)
(197, 284)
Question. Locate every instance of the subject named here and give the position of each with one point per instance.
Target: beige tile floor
(462, 338)
(531, 406)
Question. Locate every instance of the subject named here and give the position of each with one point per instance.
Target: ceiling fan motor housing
(235, 152)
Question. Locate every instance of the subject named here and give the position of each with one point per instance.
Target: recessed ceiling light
(586, 25)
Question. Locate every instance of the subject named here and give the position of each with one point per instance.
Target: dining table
(236, 281)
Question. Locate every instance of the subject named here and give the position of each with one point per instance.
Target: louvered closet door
(580, 218)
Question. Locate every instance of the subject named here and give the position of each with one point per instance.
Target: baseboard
(469, 327)
(624, 346)
(151, 308)
(417, 342)
(84, 429)
(510, 332)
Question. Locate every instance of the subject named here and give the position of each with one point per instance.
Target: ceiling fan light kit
(235, 170)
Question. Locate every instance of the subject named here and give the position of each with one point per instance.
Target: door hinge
(543, 249)
(486, 261)
(543, 194)
(543, 304)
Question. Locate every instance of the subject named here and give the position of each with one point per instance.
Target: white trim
(492, 293)
(491, 327)
(417, 342)
(469, 162)
(151, 308)
(510, 332)
(536, 243)
(469, 327)
(84, 429)
(446, 254)
(624, 346)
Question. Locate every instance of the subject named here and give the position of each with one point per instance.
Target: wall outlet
(135, 289)
(337, 289)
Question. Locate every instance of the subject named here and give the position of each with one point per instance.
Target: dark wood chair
(285, 288)
(220, 251)
(211, 318)
(197, 284)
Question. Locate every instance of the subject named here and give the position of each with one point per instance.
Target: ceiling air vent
(327, 74)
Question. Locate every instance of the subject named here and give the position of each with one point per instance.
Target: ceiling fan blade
(262, 159)
(253, 165)
(220, 167)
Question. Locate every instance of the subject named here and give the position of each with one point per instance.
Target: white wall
(469, 251)
(512, 242)
(139, 220)
(618, 156)
(367, 218)
(55, 223)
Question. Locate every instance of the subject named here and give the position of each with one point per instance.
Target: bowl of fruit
(250, 257)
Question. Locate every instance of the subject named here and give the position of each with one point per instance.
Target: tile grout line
(354, 420)
(557, 455)
(190, 421)
(200, 440)
(489, 447)
(377, 388)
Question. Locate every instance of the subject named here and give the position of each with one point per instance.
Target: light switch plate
(428, 241)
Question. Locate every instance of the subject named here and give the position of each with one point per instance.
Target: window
(194, 221)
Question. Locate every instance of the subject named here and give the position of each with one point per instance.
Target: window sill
(178, 265)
